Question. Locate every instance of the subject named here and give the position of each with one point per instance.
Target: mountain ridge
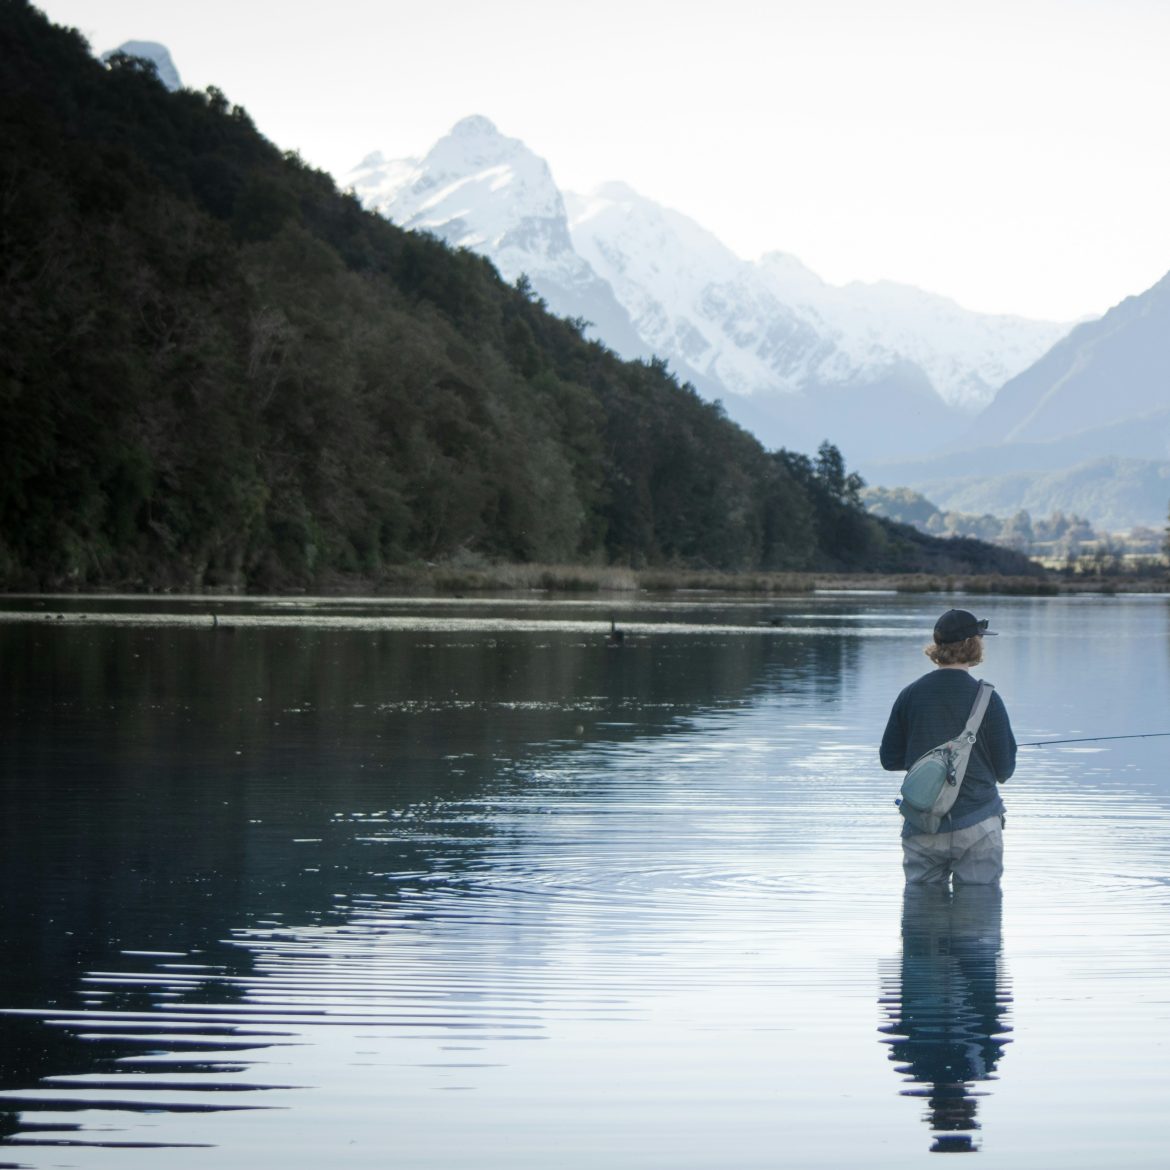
(1120, 362)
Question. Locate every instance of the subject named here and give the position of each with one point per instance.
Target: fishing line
(1095, 739)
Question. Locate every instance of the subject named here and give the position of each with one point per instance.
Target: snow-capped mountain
(778, 365)
(158, 55)
(478, 189)
(687, 292)
(966, 355)
(693, 301)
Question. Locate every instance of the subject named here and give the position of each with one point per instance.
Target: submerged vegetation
(217, 371)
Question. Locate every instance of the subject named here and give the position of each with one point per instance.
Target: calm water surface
(454, 885)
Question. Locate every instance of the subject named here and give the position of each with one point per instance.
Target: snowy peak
(668, 270)
(475, 187)
(967, 356)
(474, 143)
(686, 294)
(615, 212)
(475, 127)
(158, 55)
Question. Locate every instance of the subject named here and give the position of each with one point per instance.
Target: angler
(965, 842)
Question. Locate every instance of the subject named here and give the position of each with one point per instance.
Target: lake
(455, 884)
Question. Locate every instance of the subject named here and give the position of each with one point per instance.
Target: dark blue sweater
(932, 710)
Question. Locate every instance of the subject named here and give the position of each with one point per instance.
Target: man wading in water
(969, 844)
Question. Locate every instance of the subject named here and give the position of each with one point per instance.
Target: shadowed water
(457, 884)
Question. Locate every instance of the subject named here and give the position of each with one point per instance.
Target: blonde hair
(968, 652)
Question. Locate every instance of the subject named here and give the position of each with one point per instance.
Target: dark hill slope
(215, 369)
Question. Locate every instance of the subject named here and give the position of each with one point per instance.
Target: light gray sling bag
(932, 784)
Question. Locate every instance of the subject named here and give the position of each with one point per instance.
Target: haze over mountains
(1016, 413)
(1087, 426)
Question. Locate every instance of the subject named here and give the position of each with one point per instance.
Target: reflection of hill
(946, 1006)
(165, 785)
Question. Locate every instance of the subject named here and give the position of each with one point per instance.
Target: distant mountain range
(791, 357)
(1015, 413)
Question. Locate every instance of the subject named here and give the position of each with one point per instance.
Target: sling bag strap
(982, 699)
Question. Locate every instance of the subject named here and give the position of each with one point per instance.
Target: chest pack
(931, 786)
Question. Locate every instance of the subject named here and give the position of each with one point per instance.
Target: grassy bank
(447, 579)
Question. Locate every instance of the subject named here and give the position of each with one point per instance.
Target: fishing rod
(1095, 739)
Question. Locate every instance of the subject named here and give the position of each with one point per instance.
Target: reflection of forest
(164, 785)
(946, 1006)
(131, 822)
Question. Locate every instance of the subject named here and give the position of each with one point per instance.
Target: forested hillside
(217, 370)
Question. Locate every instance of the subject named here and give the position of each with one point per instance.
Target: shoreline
(445, 580)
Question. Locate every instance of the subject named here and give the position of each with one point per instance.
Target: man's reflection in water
(947, 1004)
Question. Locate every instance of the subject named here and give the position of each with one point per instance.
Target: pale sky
(1011, 154)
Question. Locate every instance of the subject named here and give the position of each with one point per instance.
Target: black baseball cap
(957, 625)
